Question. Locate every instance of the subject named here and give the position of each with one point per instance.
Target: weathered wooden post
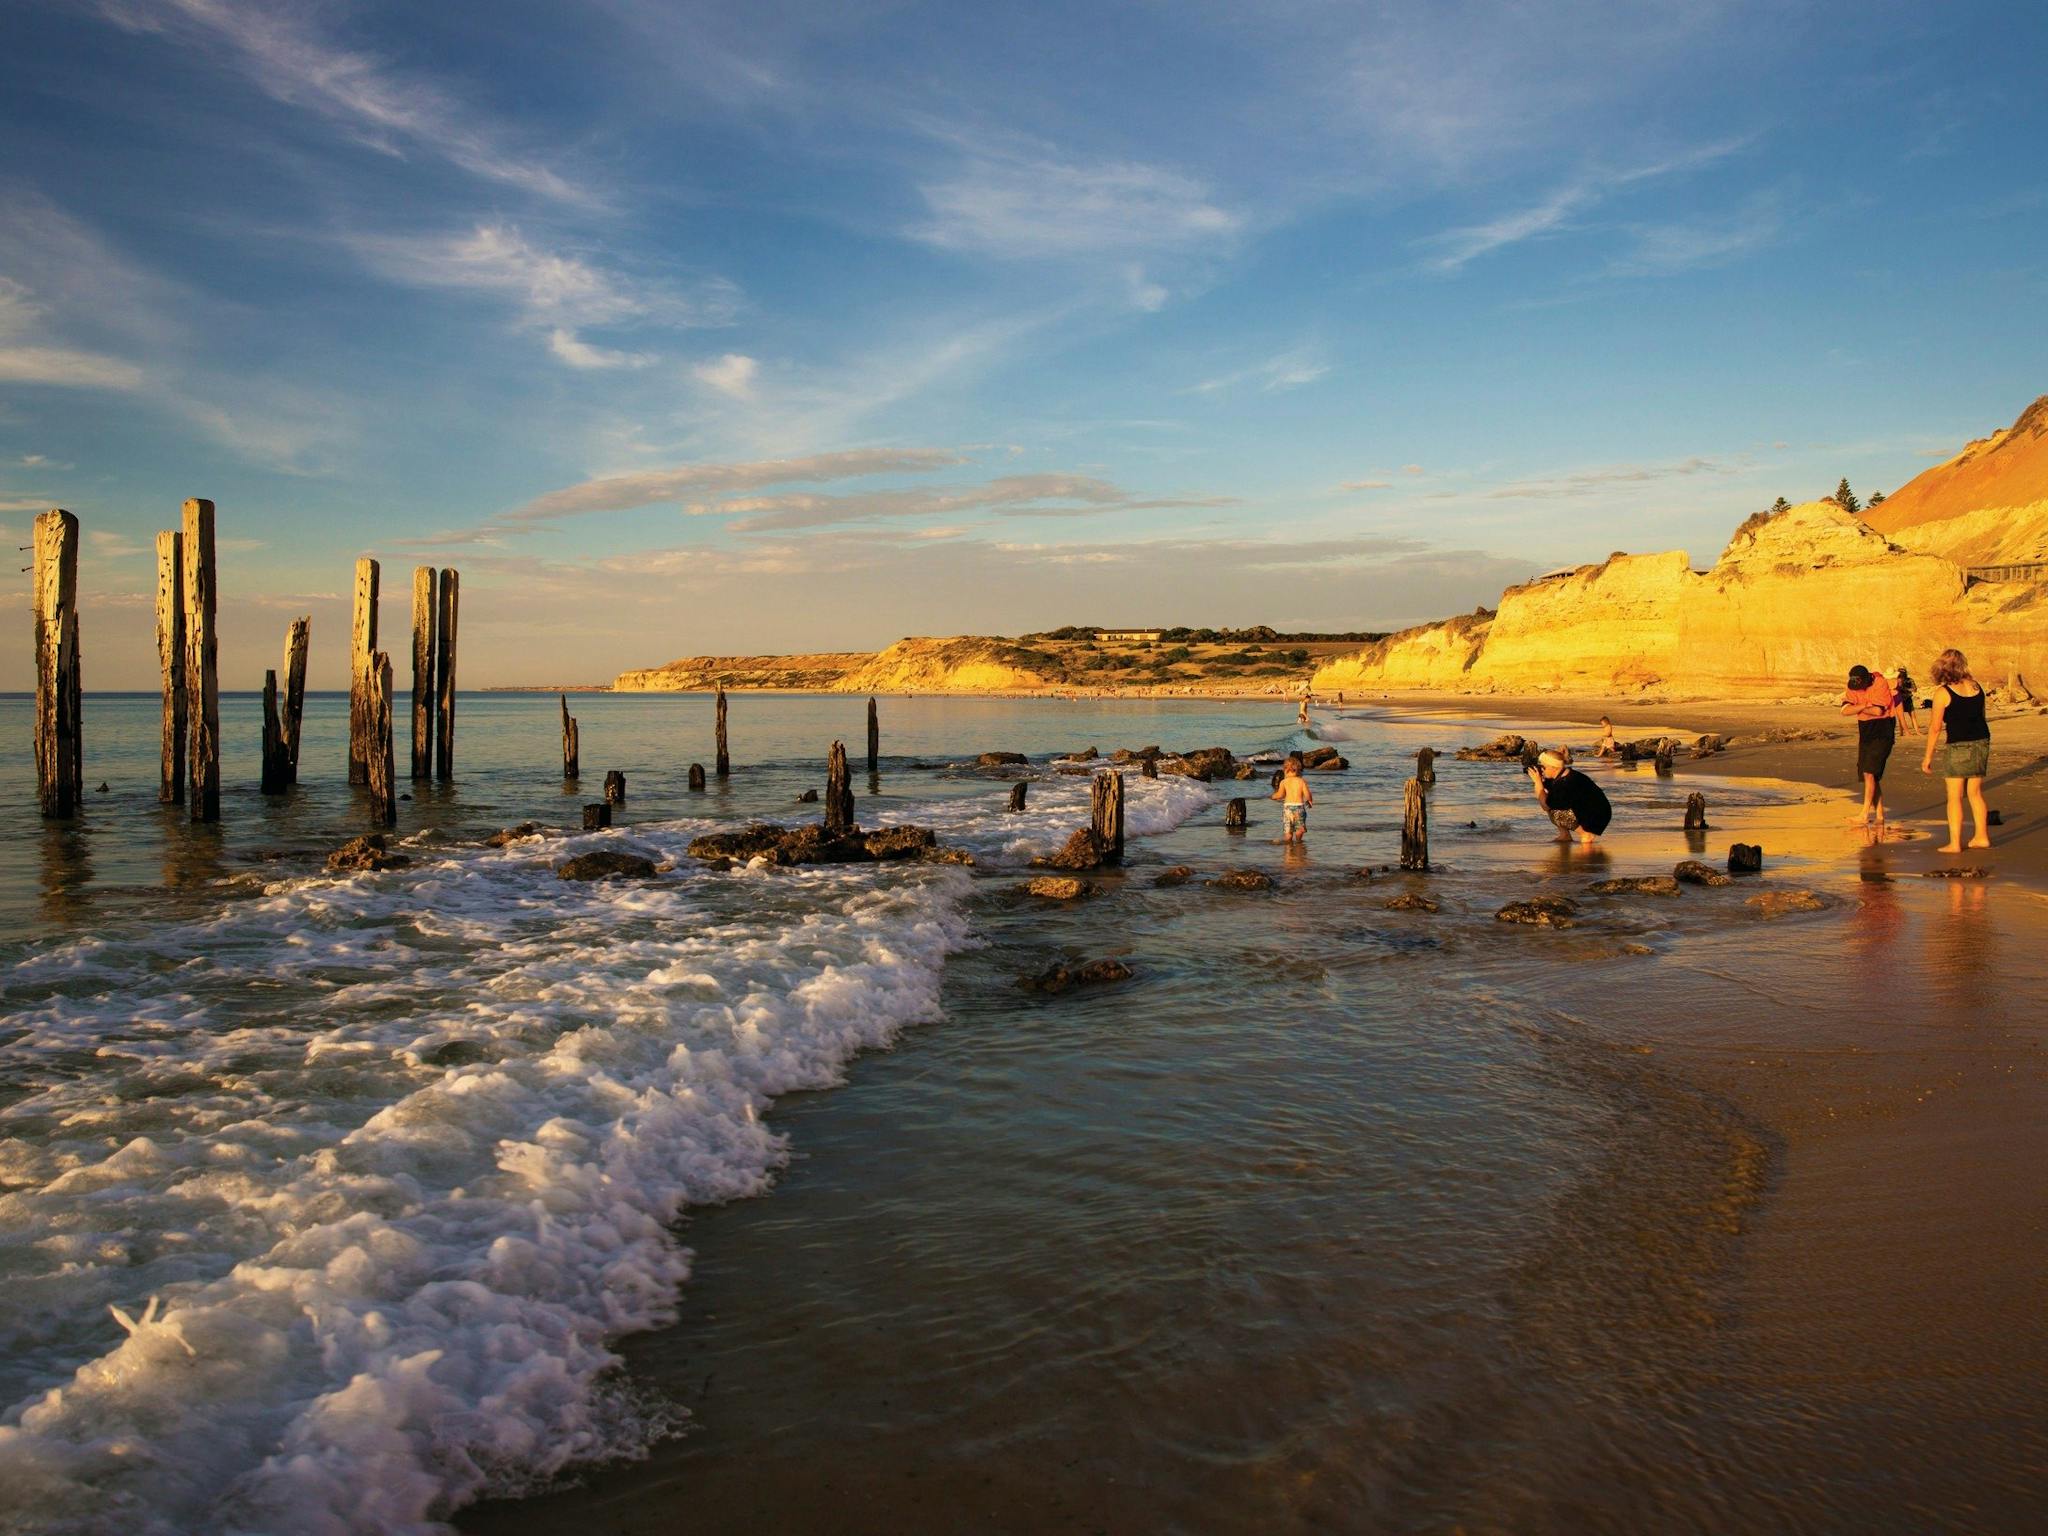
(1695, 812)
(450, 595)
(1106, 814)
(874, 738)
(1425, 766)
(362, 643)
(170, 656)
(1017, 794)
(838, 792)
(597, 815)
(202, 661)
(1664, 758)
(1148, 767)
(1234, 816)
(1414, 827)
(60, 763)
(293, 722)
(697, 777)
(724, 759)
(571, 748)
(276, 761)
(614, 788)
(383, 762)
(423, 692)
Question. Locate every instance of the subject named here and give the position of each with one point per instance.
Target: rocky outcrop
(814, 845)
(606, 864)
(1986, 506)
(962, 664)
(1059, 887)
(1540, 912)
(1428, 656)
(1060, 978)
(699, 674)
(370, 852)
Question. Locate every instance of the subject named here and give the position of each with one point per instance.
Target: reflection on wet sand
(65, 871)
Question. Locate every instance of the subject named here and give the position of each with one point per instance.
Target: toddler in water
(1297, 797)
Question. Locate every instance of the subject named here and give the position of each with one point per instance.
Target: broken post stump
(597, 814)
(276, 766)
(1745, 858)
(874, 738)
(1106, 815)
(571, 745)
(614, 788)
(447, 598)
(383, 759)
(1148, 767)
(170, 655)
(838, 791)
(724, 758)
(1017, 794)
(1663, 759)
(60, 762)
(292, 718)
(1234, 816)
(424, 698)
(1695, 812)
(1414, 826)
(1425, 766)
(362, 642)
(202, 662)
(697, 776)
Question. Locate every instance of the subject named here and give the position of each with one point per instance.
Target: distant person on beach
(1573, 802)
(1903, 688)
(1608, 747)
(1301, 715)
(1296, 797)
(1868, 701)
(1956, 709)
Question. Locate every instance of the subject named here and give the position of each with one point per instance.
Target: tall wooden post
(571, 745)
(276, 758)
(362, 645)
(1106, 815)
(1414, 827)
(1017, 791)
(202, 661)
(1425, 765)
(60, 764)
(423, 700)
(444, 673)
(838, 792)
(383, 760)
(874, 738)
(296, 639)
(170, 656)
(724, 760)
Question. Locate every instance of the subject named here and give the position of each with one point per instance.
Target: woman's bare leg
(1955, 818)
(1979, 813)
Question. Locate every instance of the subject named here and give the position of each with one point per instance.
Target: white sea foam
(985, 826)
(399, 1154)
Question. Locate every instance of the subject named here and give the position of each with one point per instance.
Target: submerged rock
(1059, 887)
(368, 852)
(1745, 858)
(1094, 973)
(999, 759)
(1957, 874)
(505, 835)
(1540, 912)
(814, 845)
(1693, 872)
(1411, 901)
(1178, 874)
(1084, 850)
(1645, 885)
(1242, 880)
(605, 864)
(1777, 903)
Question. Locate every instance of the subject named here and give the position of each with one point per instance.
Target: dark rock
(696, 776)
(814, 845)
(1776, 903)
(1205, 763)
(1425, 766)
(1410, 901)
(1695, 812)
(1645, 885)
(614, 788)
(1330, 765)
(1708, 745)
(1084, 850)
(904, 842)
(1059, 887)
(1957, 874)
(999, 759)
(1017, 794)
(1233, 816)
(1133, 754)
(1663, 765)
(103, 788)
(597, 815)
(1505, 748)
(368, 852)
(949, 856)
(1540, 911)
(1315, 757)
(1245, 771)
(604, 864)
(1693, 872)
(1088, 756)
(1093, 974)
(1745, 858)
(1148, 768)
(506, 835)
(808, 797)
(1178, 874)
(1242, 880)
(1991, 817)
(454, 1053)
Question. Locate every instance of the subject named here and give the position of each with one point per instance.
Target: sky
(687, 328)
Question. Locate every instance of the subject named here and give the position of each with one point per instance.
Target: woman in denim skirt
(1958, 713)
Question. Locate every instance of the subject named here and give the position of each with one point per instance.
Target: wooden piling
(1148, 767)
(1695, 812)
(383, 762)
(60, 762)
(362, 645)
(202, 662)
(597, 815)
(838, 792)
(1663, 760)
(697, 777)
(1017, 794)
(1234, 819)
(170, 656)
(424, 698)
(724, 758)
(1414, 826)
(1425, 765)
(293, 720)
(614, 788)
(1106, 814)
(874, 738)
(571, 746)
(276, 764)
(450, 599)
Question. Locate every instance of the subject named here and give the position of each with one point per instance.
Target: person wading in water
(1956, 709)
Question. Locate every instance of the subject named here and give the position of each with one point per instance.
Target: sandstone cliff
(1986, 506)
(699, 674)
(962, 664)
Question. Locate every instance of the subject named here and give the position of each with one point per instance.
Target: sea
(779, 1198)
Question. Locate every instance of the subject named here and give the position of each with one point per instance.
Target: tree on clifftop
(1780, 505)
(1876, 497)
(1846, 498)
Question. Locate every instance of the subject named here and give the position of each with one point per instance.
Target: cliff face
(1791, 605)
(960, 665)
(699, 674)
(1428, 656)
(1986, 506)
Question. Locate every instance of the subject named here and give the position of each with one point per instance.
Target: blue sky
(683, 328)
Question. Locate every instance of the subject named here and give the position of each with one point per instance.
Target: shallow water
(1332, 1217)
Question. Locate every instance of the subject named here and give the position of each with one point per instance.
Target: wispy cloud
(1366, 485)
(567, 346)
(1663, 249)
(617, 493)
(283, 52)
(1287, 370)
(26, 358)
(1041, 495)
(731, 375)
(1590, 481)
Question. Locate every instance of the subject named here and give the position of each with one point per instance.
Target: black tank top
(1964, 718)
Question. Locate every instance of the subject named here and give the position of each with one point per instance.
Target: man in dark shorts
(1869, 702)
(1573, 802)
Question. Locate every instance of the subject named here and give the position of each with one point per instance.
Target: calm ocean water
(1332, 1217)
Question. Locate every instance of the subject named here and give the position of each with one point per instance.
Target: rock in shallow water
(506, 835)
(1242, 880)
(1059, 887)
(1412, 901)
(1642, 885)
(1178, 874)
(605, 864)
(1540, 912)
(1084, 850)
(368, 852)
(1777, 903)
(813, 845)
(1693, 872)
(1745, 858)
(1093, 974)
